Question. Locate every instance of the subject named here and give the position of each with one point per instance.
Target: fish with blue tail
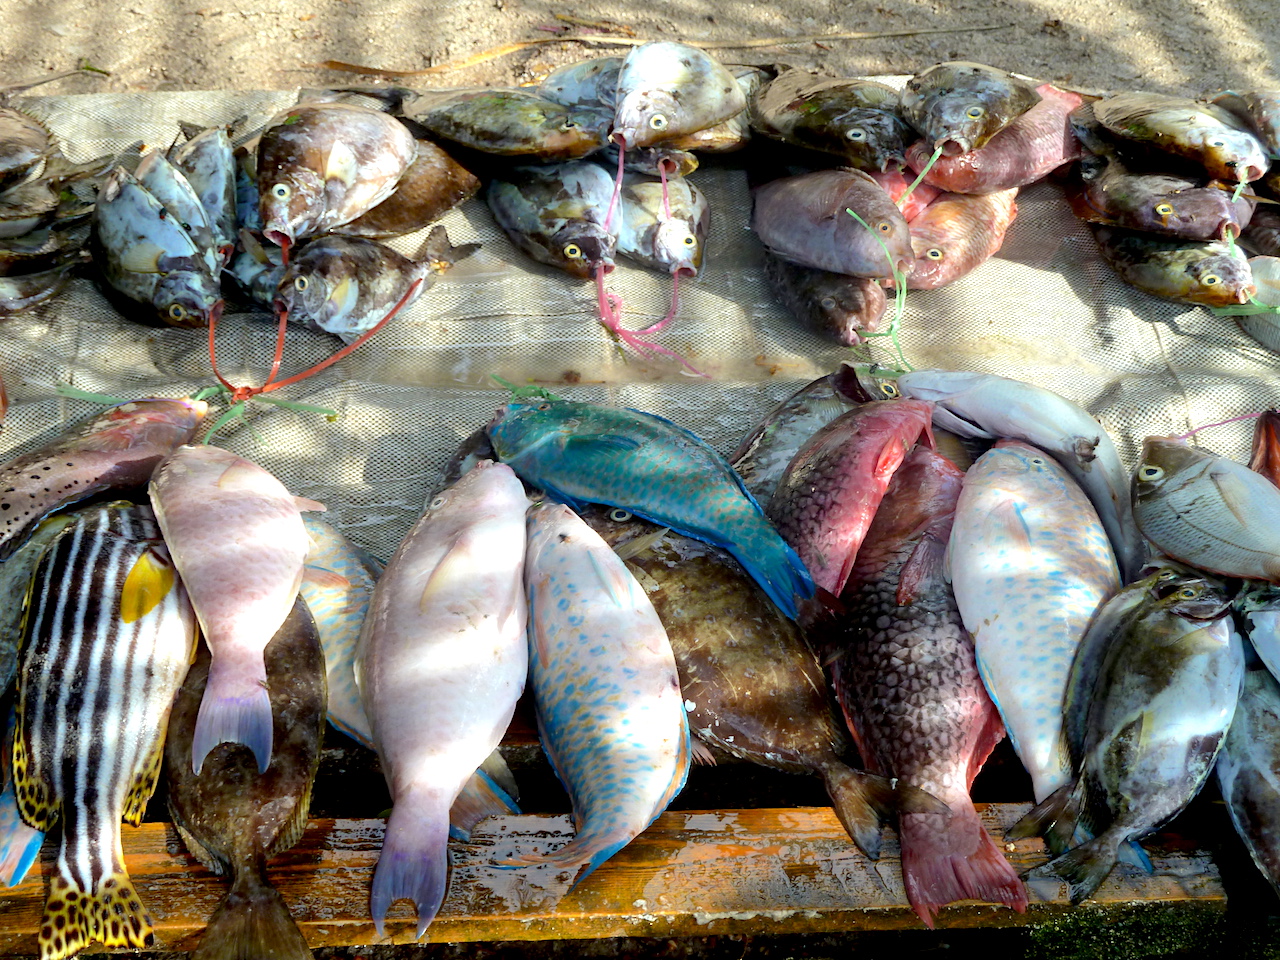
(610, 712)
(109, 638)
(587, 453)
(19, 843)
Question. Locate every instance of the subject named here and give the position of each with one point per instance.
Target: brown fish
(830, 304)
(433, 185)
(515, 123)
(1265, 458)
(956, 233)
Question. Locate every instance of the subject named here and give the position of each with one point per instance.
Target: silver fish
(208, 162)
(668, 89)
(666, 232)
(1248, 771)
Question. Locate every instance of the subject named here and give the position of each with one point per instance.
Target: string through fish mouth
(899, 296)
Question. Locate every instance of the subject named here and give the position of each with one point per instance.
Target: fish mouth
(1247, 172)
(279, 238)
(906, 265)
(1227, 230)
(684, 271)
(1245, 294)
(954, 146)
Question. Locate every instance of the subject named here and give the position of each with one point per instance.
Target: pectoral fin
(147, 584)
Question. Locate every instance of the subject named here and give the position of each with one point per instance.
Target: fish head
(1235, 155)
(646, 117)
(582, 247)
(188, 298)
(866, 382)
(291, 202)
(487, 487)
(960, 105)
(319, 290)
(931, 265)
(678, 246)
(1189, 596)
(875, 140)
(1221, 280)
(1166, 463)
(849, 306)
(524, 424)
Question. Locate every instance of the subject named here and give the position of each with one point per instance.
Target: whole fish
(514, 123)
(667, 89)
(857, 120)
(557, 214)
(664, 229)
(1248, 771)
(115, 450)
(956, 234)
(433, 185)
(985, 406)
(587, 83)
(585, 453)
(1030, 565)
(441, 662)
(832, 305)
(1259, 111)
(803, 219)
(895, 183)
(610, 712)
(232, 817)
(960, 105)
(1161, 701)
(1207, 511)
(347, 285)
(1200, 132)
(238, 541)
(208, 162)
(825, 500)
(1207, 272)
(321, 165)
(1030, 148)
(109, 638)
(908, 682)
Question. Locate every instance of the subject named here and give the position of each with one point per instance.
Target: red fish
(1266, 446)
(908, 683)
(895, 184)
(957, 233)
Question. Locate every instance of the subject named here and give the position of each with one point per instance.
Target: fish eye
(618, 515)
(301, 283)
(975, 113)
(282, 191)
(933, 253)
(544, 406)
(1187, 593)
(890, 390)
(437, 503)
(1149, 472)
(689, 241)
(884, 226)
(827, 303)
(1211, 279)
(857, 135)
(573, 251)
(1217, 143)
(658, 122)
(177, 311)
(1038, 461)
(1164, 209)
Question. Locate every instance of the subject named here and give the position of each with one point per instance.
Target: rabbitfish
(960, 105)
(832, 305)
(440, 664)
(1207, 511)
(587, 83)
(1259, 110)
(1028, 149)
(585, 453)
(1030, 565)
(610, 712)
(664, 227)
(907, 679)
(232, 817)
(803, 219)
(956, 234)
(208, 163)
(109, 637)
(556, 214)
(238, 541)
(515, 123)
(667, 89)
(1248, 770)
(1160, 702)
(433, 185)
(1207, 272)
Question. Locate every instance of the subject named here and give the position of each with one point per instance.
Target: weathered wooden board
(760, 871)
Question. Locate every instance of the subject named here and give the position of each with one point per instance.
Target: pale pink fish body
(1028, 149)
(895, 184)
(441, 662)
(237, 538)
(956, 234)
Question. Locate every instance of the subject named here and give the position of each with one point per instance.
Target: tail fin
(776, 567)
(414, 864)
(1085, 867)
(113, 916)
(252, 923)
(442, 253)
(236, 709)
(864, 801)
(948, 860)
(586, 851)
(19, 843)
(481, 797)
(1055, 818)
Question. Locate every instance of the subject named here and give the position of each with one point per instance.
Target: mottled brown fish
(1207, 272)
(960, 105)
(957, 233)
(24, 142)
(832, 305)
(515, 123)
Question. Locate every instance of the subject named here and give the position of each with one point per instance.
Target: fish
(803, 219)
(164, 181)
(347, 285)
(1207, 511)
(1030, 565)
(728, 135)
(960, 105)
(238, 542)
(433, 185)
(1264, 456)
(321, 165)
(207, 160)
(664, 228)
(24, 291)
(111, 624)
(514, 123)
(19, 844)
(1257, 609)
(16, 575)
(1259, 111)
(24, 144)
(1161, 700)
(1202, 133)
(440, 663)
(257, 268)
(908, 683)
(232, 817)
(1206, 272)
(856, 120)
(42, 249)
(1248, 771)
(985, 406)
(557, 215)
(589, 83)
(832, 305)
(1261, 236)
(1031, 147)
(117, 449)
(587, 453)
(895, 183)
(824, 502)
(667, 89)
(956, 234)
(611, 716)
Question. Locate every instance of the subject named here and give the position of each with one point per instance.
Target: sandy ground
(1174, 46)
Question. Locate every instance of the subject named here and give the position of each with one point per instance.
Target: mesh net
(1047, 309)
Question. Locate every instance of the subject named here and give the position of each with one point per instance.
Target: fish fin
(147, 584)
(1054, 818)
(341, 164)
(142, 257)
(1007, 515)
(1234, 493)
(601, 444)
(196, 848)
(481, 797)
(681, 773)
(496, 769)
(143, 786)
(864, 801)
(360, 736)
(19, 843)
(1085, 867)
(923, 566)
(702, 754)
(414, 863)
(240, 475)
(114, 916)
(233, 710)
(252, 923)
(36, 803)
(775, 566)
(1195, 641)
(616, 581)
(343, 297)
(455, 567)
(890, 458)
(638, 545)
(303, 503)
(320, 577)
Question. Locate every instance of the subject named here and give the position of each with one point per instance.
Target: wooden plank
(760, 871)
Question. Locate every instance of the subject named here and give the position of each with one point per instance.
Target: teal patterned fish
(585, 453)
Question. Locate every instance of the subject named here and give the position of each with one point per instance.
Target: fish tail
(236, 709)
(586, 852)
(777, 568)
(114, 916)
(865, 801)
(251, 923)
(19, 843)
(1085, 867)
(1056, 818)
(481, 797)
(414, 864)
(944, 860)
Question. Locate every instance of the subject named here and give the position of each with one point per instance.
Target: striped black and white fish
(108, 640)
